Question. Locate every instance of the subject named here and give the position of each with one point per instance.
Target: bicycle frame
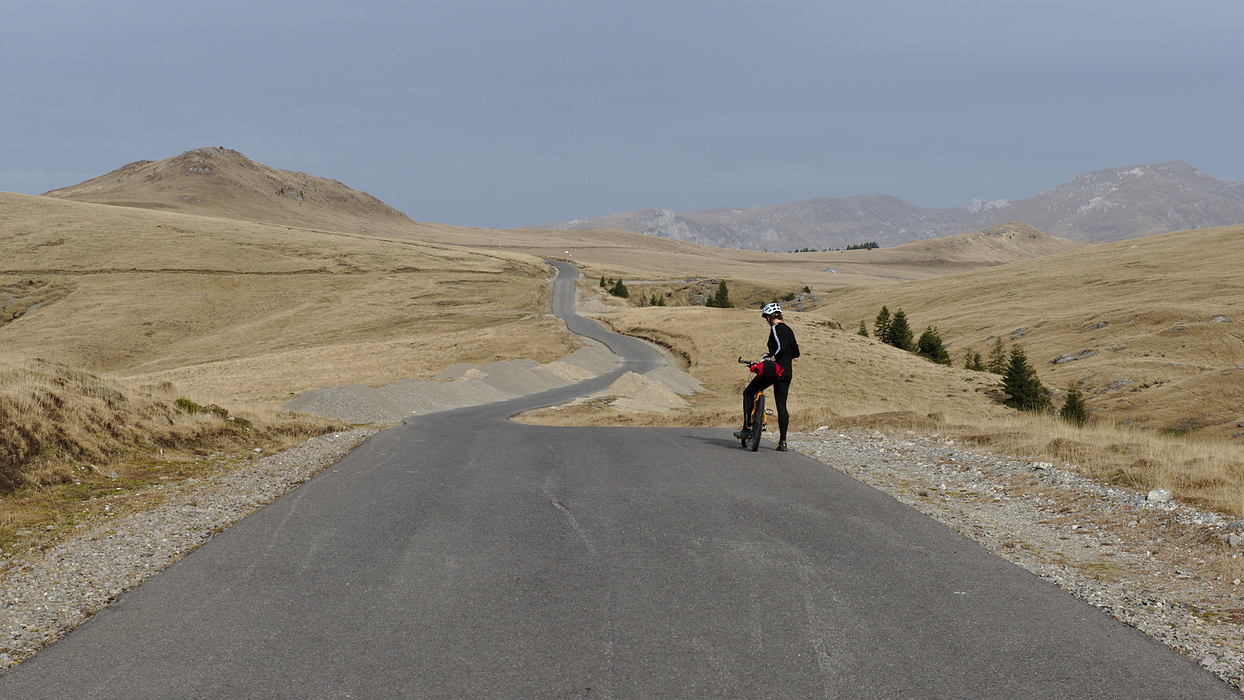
(757, 419)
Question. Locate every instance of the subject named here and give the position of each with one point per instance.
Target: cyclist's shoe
(781, 446)
(743, 434)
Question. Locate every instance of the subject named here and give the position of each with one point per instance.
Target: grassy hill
(1139, 314)
(223, 183)
(248, 313)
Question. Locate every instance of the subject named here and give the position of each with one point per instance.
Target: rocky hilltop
(1107, 205)
(224, 183)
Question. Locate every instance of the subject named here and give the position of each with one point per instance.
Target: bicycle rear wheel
(758, 423)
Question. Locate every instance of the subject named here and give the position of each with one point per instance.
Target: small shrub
(1074, 410)
(722, 299)
(863, 328)
(898, 333)
(997, 358)
(930, 346)
(187, 405)
(972, 361)
(1021, 384)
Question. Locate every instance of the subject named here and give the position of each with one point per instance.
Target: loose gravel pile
(1134, 558)
(458, 386)
(465, 384)
(638, 392)
(44, 595)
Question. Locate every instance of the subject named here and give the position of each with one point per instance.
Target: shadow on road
(725, 441)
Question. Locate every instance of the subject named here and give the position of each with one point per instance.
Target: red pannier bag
(767, 369)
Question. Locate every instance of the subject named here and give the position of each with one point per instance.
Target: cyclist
(782, 349)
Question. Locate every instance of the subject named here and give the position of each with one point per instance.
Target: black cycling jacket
(783, 348)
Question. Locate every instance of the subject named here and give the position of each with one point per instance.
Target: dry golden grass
(67, 437)
(239, 313)
(1156, 295)
(226, 184)
(1207, 473)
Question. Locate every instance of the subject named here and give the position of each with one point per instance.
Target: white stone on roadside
(1208, 661)
(5, 660)
(821, 429)
(1160, 495)
(1235, 538)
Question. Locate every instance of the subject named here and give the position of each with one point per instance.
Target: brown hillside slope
(224, 183)
(1139, 314)
(993, 246)
(235, 311)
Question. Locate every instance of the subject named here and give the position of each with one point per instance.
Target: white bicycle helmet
(771, 308)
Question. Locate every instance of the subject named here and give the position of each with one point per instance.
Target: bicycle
(758, 419)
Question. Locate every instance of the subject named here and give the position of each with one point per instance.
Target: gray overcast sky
(504, 113)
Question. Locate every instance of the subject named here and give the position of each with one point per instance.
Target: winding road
(463, 555)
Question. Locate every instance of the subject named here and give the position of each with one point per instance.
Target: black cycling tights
(780, 391)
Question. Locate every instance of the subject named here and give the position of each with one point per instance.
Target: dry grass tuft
(58, 424)
(75, 446)
(1208, 473)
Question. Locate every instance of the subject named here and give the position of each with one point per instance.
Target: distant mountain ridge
(1106, 205)
(224, 183)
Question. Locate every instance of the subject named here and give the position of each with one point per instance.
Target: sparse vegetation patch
(67, 436)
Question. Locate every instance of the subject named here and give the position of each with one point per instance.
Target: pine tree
(722, 299)
(1074, 411)
(1021, 384)
(660, 301)
(898, 333)
(620, 290)
(972, 361)
(863, 328)
(930, 346)
(602, 283)
(997, 358)
(881, 324)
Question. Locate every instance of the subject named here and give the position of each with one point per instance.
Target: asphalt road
(462, 555)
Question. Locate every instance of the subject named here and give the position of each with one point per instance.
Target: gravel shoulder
(1135, 559)
(46, 594)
